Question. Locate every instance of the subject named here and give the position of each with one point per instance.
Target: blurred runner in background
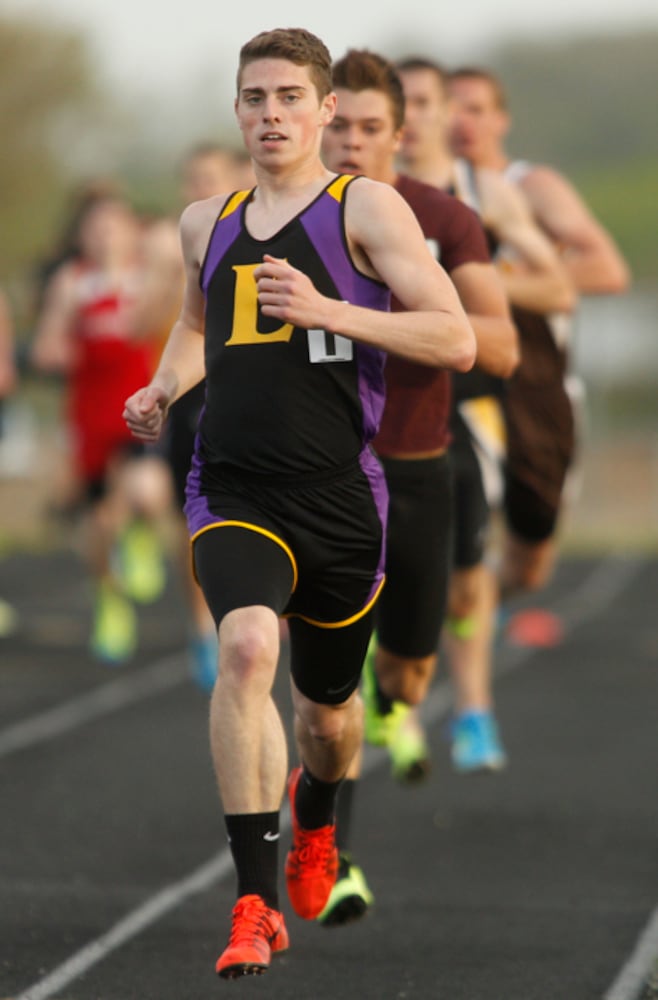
(85, 331)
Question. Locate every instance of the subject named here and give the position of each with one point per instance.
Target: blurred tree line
(587, 106)
(54, 120)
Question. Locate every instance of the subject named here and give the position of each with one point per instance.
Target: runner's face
(426, 113)
(109, 232)
(208, 174)
(478, 124)
(280, 114)
(361, 138)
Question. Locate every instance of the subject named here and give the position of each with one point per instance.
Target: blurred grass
(624, 197)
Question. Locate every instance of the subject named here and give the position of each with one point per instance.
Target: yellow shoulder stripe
(233, 203)
(337, 187)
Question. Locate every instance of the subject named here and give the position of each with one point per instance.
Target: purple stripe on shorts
(373, 470)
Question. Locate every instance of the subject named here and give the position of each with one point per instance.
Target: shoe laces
(251, 918)
(314, 849)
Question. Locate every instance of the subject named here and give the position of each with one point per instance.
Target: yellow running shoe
(114, 632)
(409, 751)
(141, 566)
(379, 729)
(350, 899)
(8, 619)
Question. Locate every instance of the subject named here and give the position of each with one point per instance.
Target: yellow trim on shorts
(347, 621)
(259, 531)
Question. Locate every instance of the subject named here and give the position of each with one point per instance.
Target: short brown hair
(485, 75)
(296, 45)
(360, 69)
(411, 63)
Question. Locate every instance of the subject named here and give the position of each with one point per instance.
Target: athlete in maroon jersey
(537, 280)
(413, 438)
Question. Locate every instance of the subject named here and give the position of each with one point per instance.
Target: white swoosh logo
(270, 836)
(339, 690)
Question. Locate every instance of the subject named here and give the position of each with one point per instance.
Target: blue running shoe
(203, 661)
(476, 745)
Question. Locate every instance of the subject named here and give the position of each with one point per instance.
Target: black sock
(344, 814)
(254, 840)
(315, 801)
(384, 703)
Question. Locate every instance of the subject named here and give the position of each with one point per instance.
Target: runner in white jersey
(537, 421)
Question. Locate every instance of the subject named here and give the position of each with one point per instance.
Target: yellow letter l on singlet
(245, 312)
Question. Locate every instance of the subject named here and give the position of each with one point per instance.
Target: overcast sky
(158, 44)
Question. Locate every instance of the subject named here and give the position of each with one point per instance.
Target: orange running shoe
(312, 862)
(257, 932)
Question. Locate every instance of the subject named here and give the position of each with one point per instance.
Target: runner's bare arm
(53, 345)
(532, 272)
(590, 254)
(182, 364)
(387, 242)
(483, 297)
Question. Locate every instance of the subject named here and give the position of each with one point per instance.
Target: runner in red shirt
(85, 332)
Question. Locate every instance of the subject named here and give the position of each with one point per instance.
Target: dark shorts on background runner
(472, 513)
(410, 611)
(96, 487)
(540, 434)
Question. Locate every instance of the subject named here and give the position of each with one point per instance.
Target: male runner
(539, 416)
(537, 278)
(412, 442)
(286, 502)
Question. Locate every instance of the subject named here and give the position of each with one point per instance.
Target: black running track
(538, 884)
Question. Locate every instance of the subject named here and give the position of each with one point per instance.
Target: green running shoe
(141, 566)
(8, 619)
(350, 898)
(379, 729)
(114, 632)
(409, 751)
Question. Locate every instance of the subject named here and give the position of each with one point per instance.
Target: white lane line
(131, 925)
(601, 588)
(636, 971)
(598, 590)
(127, 690)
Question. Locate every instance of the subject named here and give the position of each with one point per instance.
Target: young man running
(412, 442)
(540, 281)
(286, 502)
(538, 411)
